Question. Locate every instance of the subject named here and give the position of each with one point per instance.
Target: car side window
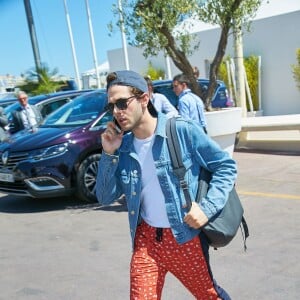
(48, 108)
(101, 123)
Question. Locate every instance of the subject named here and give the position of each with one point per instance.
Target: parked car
(7, 95)
(70, 87)
(220, 98)
(7, 101)
(61, 158)
(47, 103)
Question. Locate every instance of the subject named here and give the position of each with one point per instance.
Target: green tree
(296, 69)
(154, 73)
(153, 26)
(41, 80)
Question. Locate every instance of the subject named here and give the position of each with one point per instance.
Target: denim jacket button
(133, 193)
(132, 212)
(114, 161)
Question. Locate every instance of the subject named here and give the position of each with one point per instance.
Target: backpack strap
(176, 158)
(245, 231)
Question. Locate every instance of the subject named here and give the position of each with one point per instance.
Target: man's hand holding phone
(111, 138)
(117, 127)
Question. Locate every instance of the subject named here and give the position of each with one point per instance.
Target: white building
(274, 36)
(89, 78)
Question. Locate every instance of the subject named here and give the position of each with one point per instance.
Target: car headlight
(45, 153)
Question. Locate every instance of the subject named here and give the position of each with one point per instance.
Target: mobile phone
(118, 128)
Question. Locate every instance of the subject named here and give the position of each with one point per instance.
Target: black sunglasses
(121, 104)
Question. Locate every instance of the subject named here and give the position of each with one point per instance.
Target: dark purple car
(61, 157)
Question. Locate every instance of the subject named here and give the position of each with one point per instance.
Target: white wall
(275, 39)
(137, 61)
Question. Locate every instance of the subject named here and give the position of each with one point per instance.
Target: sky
(16, 55)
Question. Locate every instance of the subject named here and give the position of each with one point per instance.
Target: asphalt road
(59, 249)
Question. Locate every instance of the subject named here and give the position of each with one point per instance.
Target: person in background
(160, 101)
(26, 116)
(3, 124)
(164, 232)
(190, 106)
(196, 72)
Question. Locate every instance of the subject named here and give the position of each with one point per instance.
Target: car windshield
(81, 111)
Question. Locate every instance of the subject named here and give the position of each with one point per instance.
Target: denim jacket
(121, 174)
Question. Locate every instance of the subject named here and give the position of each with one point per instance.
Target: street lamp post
(92, 42)
(32, 33)
(72, 46)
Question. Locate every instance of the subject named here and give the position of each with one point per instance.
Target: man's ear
(144, 99)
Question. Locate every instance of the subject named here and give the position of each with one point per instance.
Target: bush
(154, 73)
(296, 69)
(251, 67)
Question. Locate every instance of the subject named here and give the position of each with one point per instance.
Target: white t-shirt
(153, 208)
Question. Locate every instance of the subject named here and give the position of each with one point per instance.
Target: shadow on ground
(15, 205)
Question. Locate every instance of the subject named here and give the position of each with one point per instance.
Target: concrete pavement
(61, 249)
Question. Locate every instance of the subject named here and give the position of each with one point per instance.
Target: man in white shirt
(164, 232)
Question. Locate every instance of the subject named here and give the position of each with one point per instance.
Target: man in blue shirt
(190, 106)
(160, 101)
(164, 231)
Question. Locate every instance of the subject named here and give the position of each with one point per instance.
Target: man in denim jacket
(165, 235)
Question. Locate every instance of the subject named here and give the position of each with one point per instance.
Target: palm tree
(41, 80)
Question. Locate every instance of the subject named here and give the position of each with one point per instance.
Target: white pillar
(259, 83)
(239, 68)
(168, 66)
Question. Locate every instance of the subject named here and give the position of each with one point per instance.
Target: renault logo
(5, 157)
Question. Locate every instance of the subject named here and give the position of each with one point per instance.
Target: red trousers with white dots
(153, 258)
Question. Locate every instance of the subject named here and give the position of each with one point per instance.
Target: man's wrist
(114, 153)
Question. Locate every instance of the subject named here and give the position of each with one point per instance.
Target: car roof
(37, 99)
(170, 81)
(7, 95)
(7, 101)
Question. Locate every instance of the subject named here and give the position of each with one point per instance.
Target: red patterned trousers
(152, 259)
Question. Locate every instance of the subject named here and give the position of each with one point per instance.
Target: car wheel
(86, 179)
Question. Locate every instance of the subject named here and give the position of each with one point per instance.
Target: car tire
(86, 179)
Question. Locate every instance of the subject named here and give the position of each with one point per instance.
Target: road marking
(283, 196)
